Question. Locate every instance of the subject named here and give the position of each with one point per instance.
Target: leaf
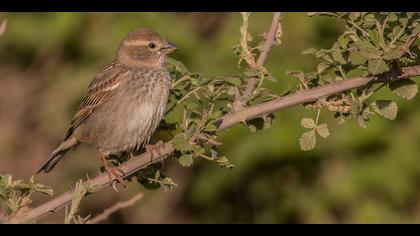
(356, 57)
(322, 130)
(385, 108)
(180, 143)
(308, 140)
(367, 50)
(186, 160)
(309, 51)
(343, 41)
(43, 189)
(322, 67)
(377, 66)
(224, 162)
(392, 54)
(308, 123)
(374, 37)
(405, 88)
(337, 55)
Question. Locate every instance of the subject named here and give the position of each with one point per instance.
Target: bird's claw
(116, 173)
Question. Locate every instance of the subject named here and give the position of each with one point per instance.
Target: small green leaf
(308, 123)
(308, 140)
(367, 50)
(392, 54)
(309, 51)
(405, 88)
(224, 162)
(322, 67)
(343, 41)
(322, 130)
(385, 108)
(374, 37)
(186, 160)
(356, 57)
(180, 143)
(377, 66)
(338, 57)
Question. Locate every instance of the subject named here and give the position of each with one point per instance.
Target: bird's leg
(113, 172)
(153, 147)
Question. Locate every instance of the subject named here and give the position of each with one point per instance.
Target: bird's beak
(168, 48)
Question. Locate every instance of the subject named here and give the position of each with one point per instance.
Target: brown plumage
(124, 103)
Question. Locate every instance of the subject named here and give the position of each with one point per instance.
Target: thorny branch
(271, 37)
(142, 161)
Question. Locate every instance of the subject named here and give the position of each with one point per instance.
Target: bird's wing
(99, 90)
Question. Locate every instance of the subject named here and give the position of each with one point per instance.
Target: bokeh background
(355, 176)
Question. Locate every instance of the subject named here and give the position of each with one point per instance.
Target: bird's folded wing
(100, 89)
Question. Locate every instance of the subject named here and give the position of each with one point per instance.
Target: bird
(124, 103)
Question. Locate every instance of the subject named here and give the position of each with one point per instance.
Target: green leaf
(405, 88)
(186, 160)
(180, 144)
(392, 54)
(367, 50)
(308, 123)
(309, 51)
(308, 140)
(322, 67)
(356, 57)
(377, 66)
(369, 21)
(338, 57)
(374, 37)
(224, 162)
(385, 108)
(343, 41)
(322, 130)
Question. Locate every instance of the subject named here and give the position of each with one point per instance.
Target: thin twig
(118, 206)
(270, 41)
(140, 162)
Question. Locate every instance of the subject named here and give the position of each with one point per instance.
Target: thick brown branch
(142, 161)
(305, 96)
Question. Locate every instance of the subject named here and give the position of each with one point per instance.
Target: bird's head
(144, 47)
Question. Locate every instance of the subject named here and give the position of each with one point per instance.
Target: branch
(307, 95)
(270, 41)
(142, 161)
(120, 205)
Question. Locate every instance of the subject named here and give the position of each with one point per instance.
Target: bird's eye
(152, 45)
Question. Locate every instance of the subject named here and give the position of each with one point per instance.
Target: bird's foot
(153, 148)
(117, 173)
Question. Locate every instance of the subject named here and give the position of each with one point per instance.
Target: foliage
(16, 194)
(372, 45)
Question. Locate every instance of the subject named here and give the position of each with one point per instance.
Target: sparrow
(124, 103)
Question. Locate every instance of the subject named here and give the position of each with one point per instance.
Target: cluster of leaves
(200, 101)
(372, 45)
(15, 195)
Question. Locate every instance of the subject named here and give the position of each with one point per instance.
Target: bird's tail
(58, 153)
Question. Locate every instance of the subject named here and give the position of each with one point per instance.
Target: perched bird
(125, 102)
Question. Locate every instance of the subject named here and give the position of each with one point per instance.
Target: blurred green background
(354, 176)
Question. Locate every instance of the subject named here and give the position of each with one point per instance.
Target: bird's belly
(127, 126)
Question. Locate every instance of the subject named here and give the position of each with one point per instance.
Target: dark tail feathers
(57, 154)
